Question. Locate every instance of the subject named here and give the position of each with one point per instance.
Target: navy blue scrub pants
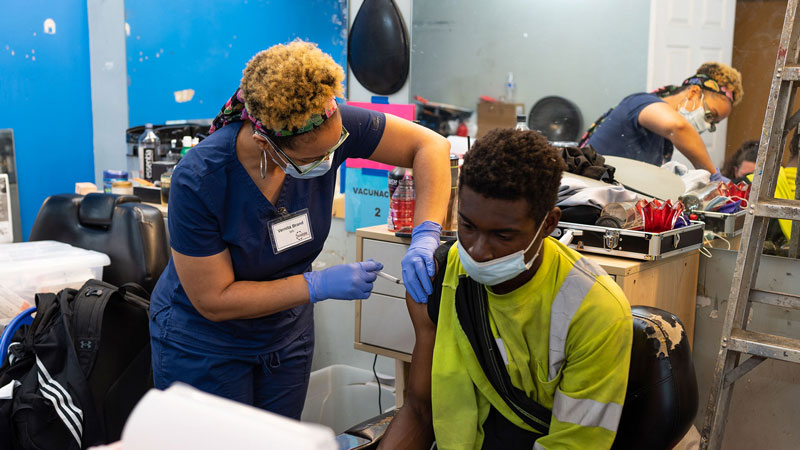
(275, 381)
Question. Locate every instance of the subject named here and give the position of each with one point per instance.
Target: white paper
(184, 417)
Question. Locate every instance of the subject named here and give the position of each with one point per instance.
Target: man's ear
(551, 222)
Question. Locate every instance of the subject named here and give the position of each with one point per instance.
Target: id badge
(289, 231)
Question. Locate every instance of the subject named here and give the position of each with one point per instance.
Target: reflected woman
(647, 126)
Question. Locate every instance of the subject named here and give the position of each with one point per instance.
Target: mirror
(594, 54)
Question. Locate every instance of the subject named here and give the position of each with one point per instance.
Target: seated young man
(558, 326)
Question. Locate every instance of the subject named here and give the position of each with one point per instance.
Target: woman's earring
(263, 165)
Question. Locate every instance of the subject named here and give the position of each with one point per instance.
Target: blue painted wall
(45, 98)
(182, 44)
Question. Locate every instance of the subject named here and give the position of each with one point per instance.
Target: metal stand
(736, 339)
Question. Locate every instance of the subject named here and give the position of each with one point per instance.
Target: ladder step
(791, 72)
(780, 299)
(766, 345)
(778, 208)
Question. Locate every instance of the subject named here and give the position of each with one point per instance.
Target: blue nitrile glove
(716, 176)
(343, 282)
(418, 264)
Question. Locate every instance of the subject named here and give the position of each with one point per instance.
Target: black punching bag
(377, 48)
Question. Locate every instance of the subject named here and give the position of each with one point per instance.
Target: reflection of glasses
(286, 160)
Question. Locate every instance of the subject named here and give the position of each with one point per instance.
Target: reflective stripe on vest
(576, 285)
(586, 412)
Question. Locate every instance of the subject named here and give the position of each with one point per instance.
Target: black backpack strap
(440, 256)
(136, 289)
(472, 308)
(88, 307)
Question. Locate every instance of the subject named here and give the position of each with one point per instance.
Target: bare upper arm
(204, 279)
(419, 383)
(661, 119)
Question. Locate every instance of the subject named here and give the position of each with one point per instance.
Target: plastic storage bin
(341, 396)
(43, 266)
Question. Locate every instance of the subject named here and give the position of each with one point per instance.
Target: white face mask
(696, 117)
(499, 270)
(320, 170)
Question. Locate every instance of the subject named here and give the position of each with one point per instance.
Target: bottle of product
(173, 154)
(395, 176)
(122, 187)
(148, 146)
(187, 145)
(510, 87)
(401, 210)
(110, 176)
(522, 123)
(166, 178)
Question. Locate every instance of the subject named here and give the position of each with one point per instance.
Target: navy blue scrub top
(214, 205)
(620, 134)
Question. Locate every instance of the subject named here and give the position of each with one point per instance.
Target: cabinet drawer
(385, 323)
(389, 254)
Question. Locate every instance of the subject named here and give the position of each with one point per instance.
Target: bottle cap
(195, 141)
(148, 125)
(109, 173)
(521, 118)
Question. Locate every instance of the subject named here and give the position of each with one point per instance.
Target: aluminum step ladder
(736, 341)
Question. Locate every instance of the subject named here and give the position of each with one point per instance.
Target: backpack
(78, 370)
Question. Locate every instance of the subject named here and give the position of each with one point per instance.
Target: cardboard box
(493, 115)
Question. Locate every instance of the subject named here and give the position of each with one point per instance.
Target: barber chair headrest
(96, 209)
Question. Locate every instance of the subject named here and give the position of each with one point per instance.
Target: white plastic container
(43, 266)
(341, 396)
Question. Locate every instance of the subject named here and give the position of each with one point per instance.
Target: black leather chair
(132, 234)
(662, 398)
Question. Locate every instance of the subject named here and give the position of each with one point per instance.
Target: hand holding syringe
(390, 278)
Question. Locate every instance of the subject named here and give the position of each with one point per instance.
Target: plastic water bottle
(395, 176)
(148, 146)
(401, 210)
(510, 87)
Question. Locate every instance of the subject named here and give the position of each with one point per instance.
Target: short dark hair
(747, 152)
(511, 164)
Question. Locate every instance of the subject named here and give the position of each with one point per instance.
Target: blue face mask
(317, 171)
(499, 270)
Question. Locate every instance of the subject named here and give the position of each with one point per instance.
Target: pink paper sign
(403, 111)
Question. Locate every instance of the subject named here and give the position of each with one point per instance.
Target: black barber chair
(662, 398)
(130, 233)
(661, 401)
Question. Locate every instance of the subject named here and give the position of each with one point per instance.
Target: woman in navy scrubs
(648, 126)
(250, 208)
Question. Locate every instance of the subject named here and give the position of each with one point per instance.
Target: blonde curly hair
(726, 76)
(287, 83)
